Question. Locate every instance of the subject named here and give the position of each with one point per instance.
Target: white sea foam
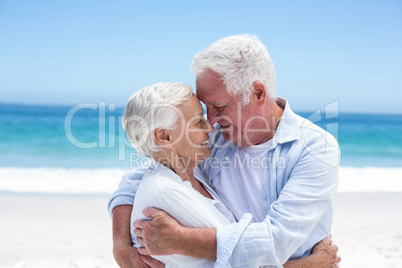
(370, 179)
(98, 181)
(60, 180)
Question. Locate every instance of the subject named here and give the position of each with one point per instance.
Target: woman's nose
(210, 127)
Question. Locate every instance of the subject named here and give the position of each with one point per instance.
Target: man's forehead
(217, 103)
(207, 80)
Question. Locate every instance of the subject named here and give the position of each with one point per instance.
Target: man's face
(226, 110)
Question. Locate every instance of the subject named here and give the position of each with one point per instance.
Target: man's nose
(212, 116)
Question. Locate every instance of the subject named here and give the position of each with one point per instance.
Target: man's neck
(273, 114)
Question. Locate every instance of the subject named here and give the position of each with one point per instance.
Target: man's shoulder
(311, 133)
(316, 143)
(303, 138)
(136, 173)
(297, 128)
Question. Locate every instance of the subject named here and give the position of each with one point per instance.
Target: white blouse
(163, 189)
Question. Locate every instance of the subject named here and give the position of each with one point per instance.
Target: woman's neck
(182, 167)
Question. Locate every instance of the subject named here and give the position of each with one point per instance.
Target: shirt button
(227, 158)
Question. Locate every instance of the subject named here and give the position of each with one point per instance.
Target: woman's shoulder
(162, 180)
(156, 187)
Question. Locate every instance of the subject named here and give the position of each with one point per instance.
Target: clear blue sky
(68, 52)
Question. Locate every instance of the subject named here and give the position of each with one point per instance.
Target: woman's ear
(259, 93)
(162, 137)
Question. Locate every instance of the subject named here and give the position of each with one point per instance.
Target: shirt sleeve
(125, 193)
(300, 206)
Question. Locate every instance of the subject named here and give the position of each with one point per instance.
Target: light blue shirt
(297, 195)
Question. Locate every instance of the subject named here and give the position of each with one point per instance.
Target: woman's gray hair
(239, 60)
(151, 108)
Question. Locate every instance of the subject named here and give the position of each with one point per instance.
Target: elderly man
(275, 170)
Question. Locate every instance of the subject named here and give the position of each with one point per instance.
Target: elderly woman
(165, 123)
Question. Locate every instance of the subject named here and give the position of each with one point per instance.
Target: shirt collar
(288, 128)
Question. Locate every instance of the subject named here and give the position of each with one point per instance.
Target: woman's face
(191, 135)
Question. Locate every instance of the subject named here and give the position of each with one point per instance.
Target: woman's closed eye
(202, 121)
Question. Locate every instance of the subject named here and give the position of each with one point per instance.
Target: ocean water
(85, 136)
(366, 139)
(84, 149)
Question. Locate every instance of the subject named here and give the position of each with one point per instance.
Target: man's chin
(230, 137)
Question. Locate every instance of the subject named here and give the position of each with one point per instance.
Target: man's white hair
(151, 108)
(239, 60)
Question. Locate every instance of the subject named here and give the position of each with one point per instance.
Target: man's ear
(259, 93)
(162, 137)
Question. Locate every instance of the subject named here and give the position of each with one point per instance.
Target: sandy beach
(55, 231)
(75, 231)
(367, 229)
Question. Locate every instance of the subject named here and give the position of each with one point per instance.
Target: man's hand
(128, 257)
(124, 253)
(324, 254)
(160, 236)
(163, 235)
(153, 263)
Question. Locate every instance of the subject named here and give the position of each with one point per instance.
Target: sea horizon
(38, 156)
(122, 106)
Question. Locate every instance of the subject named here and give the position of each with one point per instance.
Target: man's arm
(201, 242)
(291, 219)
(127, 189)
(124, 253)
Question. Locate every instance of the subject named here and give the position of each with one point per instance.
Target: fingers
(143, 251)
(338, 259)
(148, 212)
(334, 248)
(151, 212)
(140, 241)
(150, 261)
(328, 241)
(325, 243)
(139, 224)
(138, 232)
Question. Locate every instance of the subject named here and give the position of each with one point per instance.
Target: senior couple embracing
(249, 185)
